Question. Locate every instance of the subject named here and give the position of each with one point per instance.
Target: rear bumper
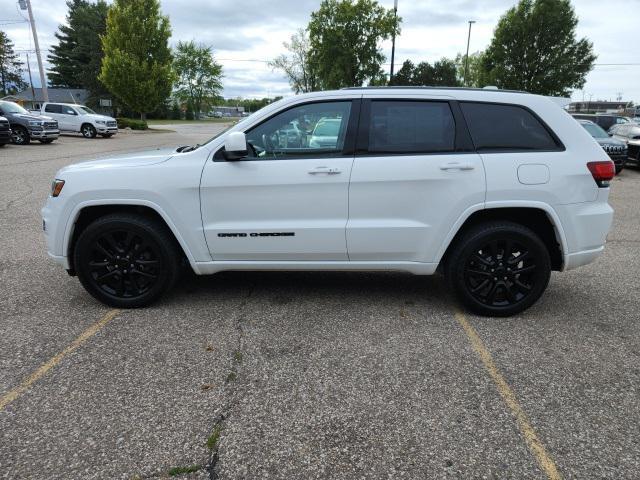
(586, 226)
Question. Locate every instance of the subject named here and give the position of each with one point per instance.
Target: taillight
(602, 172)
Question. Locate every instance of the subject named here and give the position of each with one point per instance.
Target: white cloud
(247, 30)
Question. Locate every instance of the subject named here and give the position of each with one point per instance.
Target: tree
(77, 58)
(534, 48)
(176, 113)
(10, 67)
(188, 115)
(476, 75)
(137, 63)
(198, 75)
(297, 65)
(443, 73)
(344, 36)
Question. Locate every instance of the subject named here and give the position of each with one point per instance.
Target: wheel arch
(86, 213)
(539, 217)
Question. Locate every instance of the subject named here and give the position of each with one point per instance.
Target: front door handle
(457, 166)
(324, 170)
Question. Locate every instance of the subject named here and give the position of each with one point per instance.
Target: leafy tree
(137, 63)
(198, 75)
(443, 73)
(297, 65)
(476, 75)
(10, 67)
(189, 112)
(534, 48)
(77, 58)
(176, 113)
(344, 37)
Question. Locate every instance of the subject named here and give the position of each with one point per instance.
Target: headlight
(56, 187)
(35, 123)
(101, 122)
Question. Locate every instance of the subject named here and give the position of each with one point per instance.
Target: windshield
(10, 107)
(86, 110)
(595, 130)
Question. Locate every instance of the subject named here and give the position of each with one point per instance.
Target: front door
(69, 119)
(287, 201)
(414, 175)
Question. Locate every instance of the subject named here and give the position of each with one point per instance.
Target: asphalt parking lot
(309, 375)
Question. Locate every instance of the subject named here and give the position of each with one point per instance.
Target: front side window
(68, 111)
(86, 111)
(411, 127)
(498, 127)
(311, 130)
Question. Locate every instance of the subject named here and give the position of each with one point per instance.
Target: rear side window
(411, 127)
(496, 127)
(52, 108)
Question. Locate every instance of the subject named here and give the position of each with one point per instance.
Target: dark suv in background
(27, 126)
(615, 148)
(606, 121)
(5, 132)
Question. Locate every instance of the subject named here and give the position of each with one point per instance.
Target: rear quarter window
(496, 127)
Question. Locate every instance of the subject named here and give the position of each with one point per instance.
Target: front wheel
(499, 269)
(20, 136)
(126, 260)
(88, 131)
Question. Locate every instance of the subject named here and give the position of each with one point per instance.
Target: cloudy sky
(245, 34)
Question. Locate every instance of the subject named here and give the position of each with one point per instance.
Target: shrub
(132, 123)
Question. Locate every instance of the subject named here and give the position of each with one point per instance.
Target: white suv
(80, 119)
(495, 189)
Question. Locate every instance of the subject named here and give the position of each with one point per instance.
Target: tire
(106, 249)
(488, 285)
(46, 141)
(88, 131)
(20, 136)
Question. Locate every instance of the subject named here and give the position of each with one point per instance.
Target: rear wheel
(88, 131)
(126, 260)
(499, 269)
(20, 136)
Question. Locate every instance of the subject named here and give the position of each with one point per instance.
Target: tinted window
(68, 110)
(505, 127)
(411, 127)
(51, 108)
(312, 130)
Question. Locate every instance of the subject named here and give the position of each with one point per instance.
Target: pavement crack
(231, 390)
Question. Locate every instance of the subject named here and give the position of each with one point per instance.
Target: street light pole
(466, 58)
(43, 80)
(393, 38)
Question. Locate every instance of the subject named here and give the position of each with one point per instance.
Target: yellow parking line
(44, 368)
(533, 442)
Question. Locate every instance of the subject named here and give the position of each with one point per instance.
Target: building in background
(599, 107)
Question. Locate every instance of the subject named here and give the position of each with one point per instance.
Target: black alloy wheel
(20, 136)
(499, 269)
(126, 260)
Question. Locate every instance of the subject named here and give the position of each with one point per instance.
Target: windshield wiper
(187, 148)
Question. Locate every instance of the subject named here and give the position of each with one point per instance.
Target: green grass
(237, 356)
(157, 121)
(231, 377)
(212, 441)
(183, 470)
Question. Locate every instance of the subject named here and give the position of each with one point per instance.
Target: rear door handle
(457, 166)
(324, 170)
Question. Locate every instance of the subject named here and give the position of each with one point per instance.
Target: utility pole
(33, 91)
(26, 5)
(466, 58)
(393, 38)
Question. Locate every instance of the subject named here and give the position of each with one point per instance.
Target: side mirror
(235, 146)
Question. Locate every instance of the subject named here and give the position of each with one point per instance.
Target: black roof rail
(391, 87)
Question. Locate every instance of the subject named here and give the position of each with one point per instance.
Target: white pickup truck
(81, 119)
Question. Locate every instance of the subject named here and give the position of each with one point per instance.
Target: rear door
(414, 174)
(54, 111)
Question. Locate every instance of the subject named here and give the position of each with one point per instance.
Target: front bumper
(44, 134)
(104, 130)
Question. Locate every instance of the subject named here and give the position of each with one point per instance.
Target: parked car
(27, 126)
(630, 135)
(606, 121)
(5, 132)
(217, 114)
(80, 119)
(615, 148)
(325, 133)
(493, 188)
